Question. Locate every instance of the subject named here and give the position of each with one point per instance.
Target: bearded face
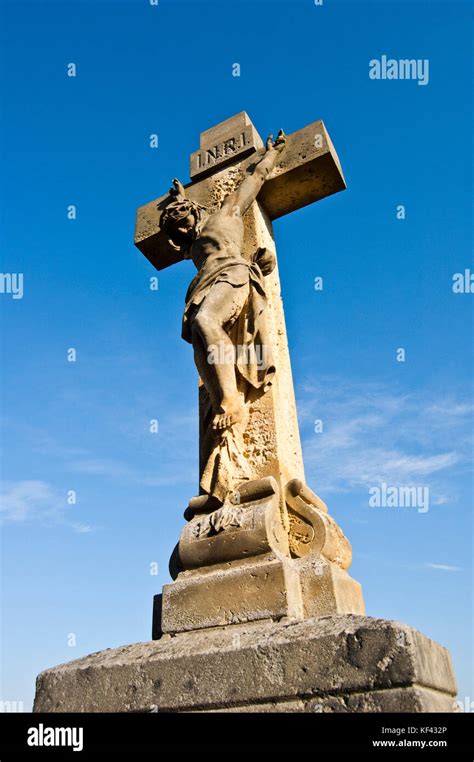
(179, 221)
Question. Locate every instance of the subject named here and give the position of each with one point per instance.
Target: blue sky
(84, 569)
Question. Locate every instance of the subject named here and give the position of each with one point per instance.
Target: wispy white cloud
(82, 528)
(372, 435)
(33, 500)
(28, 499)
(101, 467)
(444, 567)
(451, 408)
(120, 471)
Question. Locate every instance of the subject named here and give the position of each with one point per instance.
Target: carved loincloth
(253, 359)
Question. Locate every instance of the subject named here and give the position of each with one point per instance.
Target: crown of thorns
(179, 209)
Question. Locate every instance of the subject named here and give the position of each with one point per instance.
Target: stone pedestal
(342, 663)
(262, 616)
(265, 556)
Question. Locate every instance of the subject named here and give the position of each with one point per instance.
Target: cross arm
(306, 171)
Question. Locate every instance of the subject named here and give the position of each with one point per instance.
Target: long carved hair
(178, 209)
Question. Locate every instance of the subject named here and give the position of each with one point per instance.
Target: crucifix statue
(255, 618)
(253, 502)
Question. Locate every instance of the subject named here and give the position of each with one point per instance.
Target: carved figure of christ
(225, 286)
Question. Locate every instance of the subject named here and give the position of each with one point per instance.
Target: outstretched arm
(240, 200)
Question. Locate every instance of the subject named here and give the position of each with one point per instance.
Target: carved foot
(229, 413)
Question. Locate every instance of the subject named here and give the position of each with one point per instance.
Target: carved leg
(215, 351)
(206, 370)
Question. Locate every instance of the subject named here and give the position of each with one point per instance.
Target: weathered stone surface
(220, 132)
(394, 700)
(309, 170)
(327, 589)
(232, 139)
(314, 531)
(234, 564)
(237, 530)
(331, 664)
(271, 435)
(257, 589)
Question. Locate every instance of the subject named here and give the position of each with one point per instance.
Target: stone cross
(309, 170)
(256, 617)
(263, 508)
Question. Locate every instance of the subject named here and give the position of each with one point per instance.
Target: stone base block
(264, 587)
(342, 663)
